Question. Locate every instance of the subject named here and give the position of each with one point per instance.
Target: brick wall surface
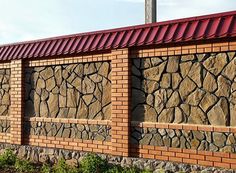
(120, 121)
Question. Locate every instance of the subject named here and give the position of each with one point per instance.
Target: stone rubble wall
(4, 91)
(52, 155)
(63, 130)
(78, 91)
(185, 139)
(191, 89)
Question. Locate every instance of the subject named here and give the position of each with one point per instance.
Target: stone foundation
(65, 130)
(185, 139)
(51, 155)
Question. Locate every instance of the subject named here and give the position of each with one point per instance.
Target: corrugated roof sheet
(216, 26)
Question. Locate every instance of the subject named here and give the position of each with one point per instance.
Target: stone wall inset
(81, 91)
(4, 91)
(193, 89)
(64, 130)
(185, 139)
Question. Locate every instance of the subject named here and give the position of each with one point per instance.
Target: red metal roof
(203, 28)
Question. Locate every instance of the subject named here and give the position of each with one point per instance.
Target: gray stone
(154, 73)
(166, 116)
(47, 73)
(195, 74)
(215, 64)
(219, 113)
(208, 101)
(186, 87)
(209, 83)
(224, 87)
(197, 116)
(219, 139)
(174, 100)
(173, 64)
(195, 97)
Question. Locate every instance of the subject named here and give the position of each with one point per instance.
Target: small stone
(195, 73)
(208, 101)
(186, 87)
(41, 83)
(87, 99)
(227, 149)
(47, 73)
(219, 139)
(167, 141)
(150, 114)
(50, 84)
(174, 100)
(88, 86)
(185, 68)
(176, 79)
(6, 99)
(44, 95)
(165, 81)
(209, 83)
(154, 73)
(185, 108)
(232, 113)
(72, 97)
(198, 135)
(53, 105)
(96, 78)
(197, 116)
(215, 63)
(231, 140)
(194, 143)
(219, 113)
(173, 64)
(229, 70)
(224, 87)
(63, 89)
(150, 100)
(43, 109)
(195, 97)
(90, 69)
(160, 99)
(178, 116)
(166, 116)
(104, 69)
(62, 101)
(58, 75)
(187, 57)
(146, 139)
(156, 140)
(175, 142)
(148, 86)
(63, 113)
(94, 109)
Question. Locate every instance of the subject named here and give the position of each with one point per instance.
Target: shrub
(62, 167)
(23, 166)
(8, 158)
(46, 168)
(93, 164)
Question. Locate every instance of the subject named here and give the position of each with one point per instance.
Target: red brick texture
(121, 110)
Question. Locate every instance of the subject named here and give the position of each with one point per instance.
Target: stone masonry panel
(81, 91)
(5, 126)
(185, 139)
(193, 89)
(4, 91)
(63, 130)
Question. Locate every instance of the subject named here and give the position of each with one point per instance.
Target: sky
(22, 20)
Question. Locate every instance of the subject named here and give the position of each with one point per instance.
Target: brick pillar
(121, 85)
(16, 109)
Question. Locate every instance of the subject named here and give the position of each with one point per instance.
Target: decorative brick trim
(69, 60)
(17, 106)
(207, 128)
(66, 120)
(181, 50)
(121, 86)
(5, 137)
(204, 158)
(69, 144)
(5, 65)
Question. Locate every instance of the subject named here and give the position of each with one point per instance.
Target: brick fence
(46, 111)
